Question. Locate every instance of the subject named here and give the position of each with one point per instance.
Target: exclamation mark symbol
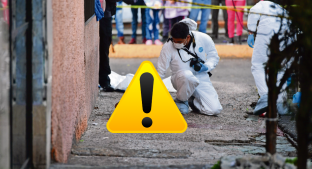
(147, 82)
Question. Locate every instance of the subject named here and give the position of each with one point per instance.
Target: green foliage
(291, 161)
(217, 166)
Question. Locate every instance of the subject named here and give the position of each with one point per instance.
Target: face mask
(178, 45)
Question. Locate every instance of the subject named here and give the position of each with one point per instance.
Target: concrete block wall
(74, 74)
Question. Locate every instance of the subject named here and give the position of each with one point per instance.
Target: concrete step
(153, 51)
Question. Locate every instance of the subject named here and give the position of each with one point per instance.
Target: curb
(153, 51)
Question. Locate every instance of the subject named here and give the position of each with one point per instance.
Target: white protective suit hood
(190, 23)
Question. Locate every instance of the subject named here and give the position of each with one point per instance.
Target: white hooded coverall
(185, 79)
(268, 25)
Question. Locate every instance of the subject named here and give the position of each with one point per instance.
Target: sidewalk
(206, 140)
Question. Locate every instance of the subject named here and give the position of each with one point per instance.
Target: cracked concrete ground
(206, 140)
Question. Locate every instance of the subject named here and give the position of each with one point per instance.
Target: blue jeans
(152, 23)
(134, 23)
(118, 19)
(204, 16)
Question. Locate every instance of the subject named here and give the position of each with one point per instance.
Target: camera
(196, 62)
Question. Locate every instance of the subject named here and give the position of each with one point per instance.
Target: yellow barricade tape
(188, 7)
(204, 7)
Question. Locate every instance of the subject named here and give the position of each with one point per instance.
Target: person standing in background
(105, 42)
(265, 27)
(204, 15)
(119, 24)
(5, 11)
(251, 3)
(134, 23)
(231, 18)
(152, 21)
(215, 19)
(172, 16)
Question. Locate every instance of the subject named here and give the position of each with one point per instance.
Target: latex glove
(203, 68)
(297, 98)
(251, 40)
(288, 81)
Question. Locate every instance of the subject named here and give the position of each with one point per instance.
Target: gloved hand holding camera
(202, 69)
(198, 65)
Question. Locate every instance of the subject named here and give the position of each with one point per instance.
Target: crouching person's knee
(216, 111)
(185, 77)
(213, 110)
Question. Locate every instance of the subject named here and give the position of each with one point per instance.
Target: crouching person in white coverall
(191, 80)
(267, 26)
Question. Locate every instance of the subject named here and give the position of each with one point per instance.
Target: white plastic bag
(125, 83)
(122, 82)
(115, 79)
(168, 84)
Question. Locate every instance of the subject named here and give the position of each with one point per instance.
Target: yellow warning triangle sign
(146, 106)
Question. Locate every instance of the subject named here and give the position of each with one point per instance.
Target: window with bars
(88, 9)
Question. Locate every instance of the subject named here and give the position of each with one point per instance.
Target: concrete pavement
(207, 138)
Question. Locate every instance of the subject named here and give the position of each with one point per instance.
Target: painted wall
(5, 86)
(74, 74)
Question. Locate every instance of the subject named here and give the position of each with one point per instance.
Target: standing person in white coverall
(267, 26)
(193, 87)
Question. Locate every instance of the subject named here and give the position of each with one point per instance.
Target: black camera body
(196, 63)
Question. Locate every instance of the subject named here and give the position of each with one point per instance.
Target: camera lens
(197, 67)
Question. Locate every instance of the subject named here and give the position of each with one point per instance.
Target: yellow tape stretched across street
(203, 7)
(199, 6)
(187, 7)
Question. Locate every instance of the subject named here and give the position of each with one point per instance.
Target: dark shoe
(232, 40)
(240, 40)
(144, 40)
(214, 36)
(121, 40)
(132, 41)
(226, 35)
(191, 104)
(108, 88)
